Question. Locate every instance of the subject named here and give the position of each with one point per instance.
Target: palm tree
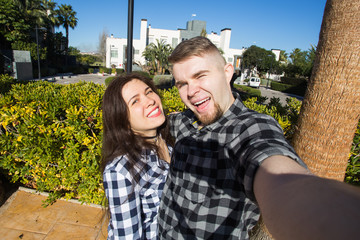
(330, 110)
(157, 56)
(67, 18)
(32, 10)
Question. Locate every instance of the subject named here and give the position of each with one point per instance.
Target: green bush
(146, 74)
(292, 89)
(91, 70)
(6, 82)
(292, 80)
(104, 70)
(119, 70)
(353, 169)
(50, 138)
(171, 100)
(280, 86)
(108, 80)
(163, 81)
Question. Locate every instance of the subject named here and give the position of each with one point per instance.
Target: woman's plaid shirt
(134, 208)
(209, 190)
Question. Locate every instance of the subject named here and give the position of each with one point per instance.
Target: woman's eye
(148, 92)
(133, 102)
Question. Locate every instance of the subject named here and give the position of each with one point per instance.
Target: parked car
(254, 82)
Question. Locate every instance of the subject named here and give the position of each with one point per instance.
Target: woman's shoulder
(119, 164)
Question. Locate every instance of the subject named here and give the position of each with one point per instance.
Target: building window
(151, 39)
(174, 42)
(114, 53)
(137, 52)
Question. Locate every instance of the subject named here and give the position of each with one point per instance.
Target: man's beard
(209, 119)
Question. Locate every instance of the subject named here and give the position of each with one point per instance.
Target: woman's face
(145, 109)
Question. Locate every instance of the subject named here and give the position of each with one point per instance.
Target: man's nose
(193, 88)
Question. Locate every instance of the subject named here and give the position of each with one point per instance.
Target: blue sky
(276, 24)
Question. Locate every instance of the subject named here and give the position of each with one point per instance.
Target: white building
(116, 47)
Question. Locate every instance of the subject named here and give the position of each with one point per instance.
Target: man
(230, 162)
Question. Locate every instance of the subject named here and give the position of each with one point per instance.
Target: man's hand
(297, 205)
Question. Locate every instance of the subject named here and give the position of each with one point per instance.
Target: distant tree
(259, 59)
(13, 26)
(283, 57)
(301, 63)
(66, 18)
(203, 32)
(157, 56)
(102, 44)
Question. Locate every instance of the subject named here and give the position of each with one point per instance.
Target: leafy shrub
(119, 70)
(146, 74)
(279, 86)
(352, 174)
(108, 80)
(104, 70)
(50, 138)
(163, 81)
(91, 70)
(5, 83)
(292, 89)
(51, 135)
(171, 100)
(292, 80)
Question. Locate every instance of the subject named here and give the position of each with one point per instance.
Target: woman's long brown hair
(118, 137)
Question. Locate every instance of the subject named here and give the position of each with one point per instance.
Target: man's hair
(197, 46)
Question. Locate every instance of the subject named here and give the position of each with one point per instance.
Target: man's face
(204, 86)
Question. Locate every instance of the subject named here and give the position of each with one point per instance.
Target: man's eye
(180, 85)
(148, 92)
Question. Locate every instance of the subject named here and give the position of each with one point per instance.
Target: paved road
(271, 93)
(100, 79)
(68, 79)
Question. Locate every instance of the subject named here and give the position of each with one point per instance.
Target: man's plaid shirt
(209, 190)
(134, 208)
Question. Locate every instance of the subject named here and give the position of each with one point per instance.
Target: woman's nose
(149, 101)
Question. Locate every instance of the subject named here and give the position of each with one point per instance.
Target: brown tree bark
(331, 107)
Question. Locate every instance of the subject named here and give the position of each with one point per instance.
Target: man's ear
(229, 71)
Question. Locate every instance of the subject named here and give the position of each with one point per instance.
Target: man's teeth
(153, 112)
(200, 102)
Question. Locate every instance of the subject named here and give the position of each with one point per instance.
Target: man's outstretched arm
(297, 205)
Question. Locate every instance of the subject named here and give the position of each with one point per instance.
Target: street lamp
(267, 84)
(37, 44)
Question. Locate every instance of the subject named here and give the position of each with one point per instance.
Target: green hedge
(163, 81)
(50, 138)
(51, 134)
(6, 82)
(299, 89)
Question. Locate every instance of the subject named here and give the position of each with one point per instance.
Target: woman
(136, 154)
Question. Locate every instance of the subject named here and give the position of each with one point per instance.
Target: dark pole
(130, 36)
(37, 45)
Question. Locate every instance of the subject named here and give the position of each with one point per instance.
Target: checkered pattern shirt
(209, 190)
(134, 208)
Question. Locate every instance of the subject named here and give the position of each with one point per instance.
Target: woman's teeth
(153, 112)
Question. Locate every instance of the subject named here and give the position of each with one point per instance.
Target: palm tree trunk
(331, 107)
